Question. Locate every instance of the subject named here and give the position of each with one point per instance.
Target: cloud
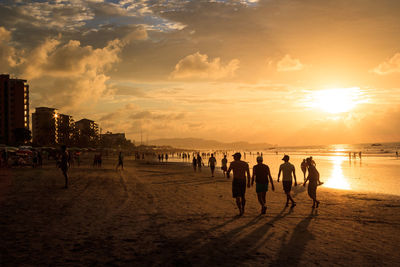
(8, 55)
(389, 66)
(198, 66)
(287, 63)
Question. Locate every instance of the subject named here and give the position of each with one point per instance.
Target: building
(65, 129)
(52, 128)
(110, 139)
(88, 133)
(14, 108)
(44, 126)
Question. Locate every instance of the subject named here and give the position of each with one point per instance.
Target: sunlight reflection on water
(337, 179)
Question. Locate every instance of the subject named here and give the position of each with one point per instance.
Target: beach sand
(154, 214)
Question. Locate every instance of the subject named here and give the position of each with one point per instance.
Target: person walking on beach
(303, 167)
(199, 162)
(211, 164)
(120, 161)
(312, 179)
(262, 173)
(194, 162)
(64, 162)
(224, 165)
(240, 169)
(287, 169)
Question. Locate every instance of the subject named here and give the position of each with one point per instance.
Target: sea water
(377, 170)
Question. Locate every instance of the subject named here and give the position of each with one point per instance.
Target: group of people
(262, 177)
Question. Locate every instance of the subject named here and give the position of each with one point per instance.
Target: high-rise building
(14, 108)
(65, 129)
(52, 128)
(88, 132)
(44, 126)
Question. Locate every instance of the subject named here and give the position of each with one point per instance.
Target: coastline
(165, 214)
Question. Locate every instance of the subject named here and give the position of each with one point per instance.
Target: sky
(284, 72)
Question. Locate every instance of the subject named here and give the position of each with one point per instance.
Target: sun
(336, 100)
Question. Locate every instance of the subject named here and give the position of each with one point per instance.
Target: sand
(154, 214)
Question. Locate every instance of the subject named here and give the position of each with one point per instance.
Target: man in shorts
(262, 174)
(240, 169)
(224, 165)
(211, 164)
(287, 169)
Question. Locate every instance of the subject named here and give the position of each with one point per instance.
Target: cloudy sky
(287, 72)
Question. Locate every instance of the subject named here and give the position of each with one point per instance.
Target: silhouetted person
(166, 157)
(211, 163)
(199, 162)
(312, 178)
(224, 165)
(240, 169)
(287, 169)
(64, 161)
(194, 162)
(304, 168)
(359, 154)
(262, 173)
(120, 161)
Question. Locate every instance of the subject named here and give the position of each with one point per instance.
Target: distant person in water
(312, 179)
(224, 165)
(211, 163)
(199, 162)
(261, 173)
(240, 170)
(166, 157)
(304, 168)
(287, 169)
(194, 162)
(64, 162)
(120, 161)
(359, 154)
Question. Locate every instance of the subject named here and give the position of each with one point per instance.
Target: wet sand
(165, 214)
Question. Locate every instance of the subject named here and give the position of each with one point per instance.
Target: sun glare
(336, 100)
(337, 179)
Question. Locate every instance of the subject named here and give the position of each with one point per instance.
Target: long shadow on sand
(291, 252)
(228, 248)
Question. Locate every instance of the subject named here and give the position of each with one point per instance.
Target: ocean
(376, 171)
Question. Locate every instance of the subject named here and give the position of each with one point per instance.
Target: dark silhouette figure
(64, 163)
(194, 162)
(224, 165)
(313, 179)
(211, 163)
(199, 162)
(261, 173)
(287, 169)
(120, 161)
(240, 169)
(303, 167)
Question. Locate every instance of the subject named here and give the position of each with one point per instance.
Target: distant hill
(198, 143)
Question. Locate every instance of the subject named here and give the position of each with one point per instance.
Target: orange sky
(282, 72)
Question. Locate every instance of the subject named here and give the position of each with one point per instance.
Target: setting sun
(337, 100)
